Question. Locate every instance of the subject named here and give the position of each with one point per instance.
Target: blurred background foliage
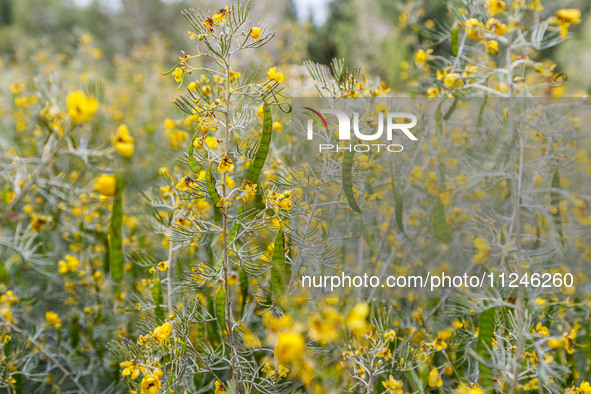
(379, 35)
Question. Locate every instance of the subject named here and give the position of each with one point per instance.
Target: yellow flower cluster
(53, 319)
(81, 108)
(476, 30)
(131, 369)
(275, 75)
(566, 17)
(6, 301)
(393, 386)
(160, 335)
(70, 264)
(216, 19)
(279, 200)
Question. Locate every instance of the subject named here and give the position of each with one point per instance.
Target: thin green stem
(225, 209)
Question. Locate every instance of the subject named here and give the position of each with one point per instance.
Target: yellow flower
(276, 324)
(150, 384)
(6, 314)
(555, 343)
(473, 27)
(385, 353)
(482, 251)
(571, 15)
(496, 26)
(564, 18)
(439, 344)
(433, 92)
(161, 333)
(580, 211)
(445, 197)
(221, 15)
(235, 75)
(53, 319)
(169, 124)
(106, 185)
(568, 339)
(284, 201)
(185, 183)
(209, 22)
(201, 205)
(219, 388)
(130, 368)
(453, 80)
(393, 386)
(323, 331)
(163, 266)
(492, 46)
(496, 7)
(290, 346)
(357, 318)
(434, 378)
(277, 126)
(249, 187)
(123, 142)
(211, 142)
(165, 191)
(38, 221)
(274, 75)
(390, 335)
(585, 387)
(422, 56)
(255, 33)
(417, 173)
(80, 107)
(536, 6)
(223, 203)
(382, 107)
(542, 330)
(471, 389)
(226, 165)
(178, 74)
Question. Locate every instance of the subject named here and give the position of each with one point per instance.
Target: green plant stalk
(169, 271)
(253, 173)
(225, 266)
(115, 233)
(516, 223)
